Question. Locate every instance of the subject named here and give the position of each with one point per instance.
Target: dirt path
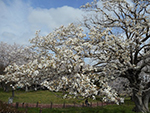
(31, 105)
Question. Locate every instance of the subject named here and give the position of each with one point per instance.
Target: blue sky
(57, 3)
(20, 19)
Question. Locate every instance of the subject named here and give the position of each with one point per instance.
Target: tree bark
(13, 92)
(6, 88)
(141, 101)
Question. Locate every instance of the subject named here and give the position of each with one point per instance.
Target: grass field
(46, 97)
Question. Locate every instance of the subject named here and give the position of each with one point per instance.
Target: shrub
(6, 108)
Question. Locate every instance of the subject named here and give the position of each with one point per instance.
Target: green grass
(105, 109)
(44, 97)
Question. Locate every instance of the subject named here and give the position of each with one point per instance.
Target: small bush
(5, 108)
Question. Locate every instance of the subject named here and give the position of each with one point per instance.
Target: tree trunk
(26, 89)
(2, 86)
(6, 88)
(141, 101)
(13, 92)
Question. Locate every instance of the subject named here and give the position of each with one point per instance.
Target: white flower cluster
(2, 78)
(81, 85)
(66, 69)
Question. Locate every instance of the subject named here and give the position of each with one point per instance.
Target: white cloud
(49, 19)
(19, 20)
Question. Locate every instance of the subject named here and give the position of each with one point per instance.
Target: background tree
(15, 53)
(10, 54)
(122, 87)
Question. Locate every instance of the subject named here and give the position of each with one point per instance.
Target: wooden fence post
(91, 104)
(64, 105)
(23, 105)
(37, 104)
(17, 105)
(51, 105)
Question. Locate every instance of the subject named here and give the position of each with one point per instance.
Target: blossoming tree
(124, 47)
(10, 54)
(62, 67)
(14, 53)
(118, 34)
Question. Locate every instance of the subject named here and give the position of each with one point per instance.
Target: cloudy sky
(20, 19)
